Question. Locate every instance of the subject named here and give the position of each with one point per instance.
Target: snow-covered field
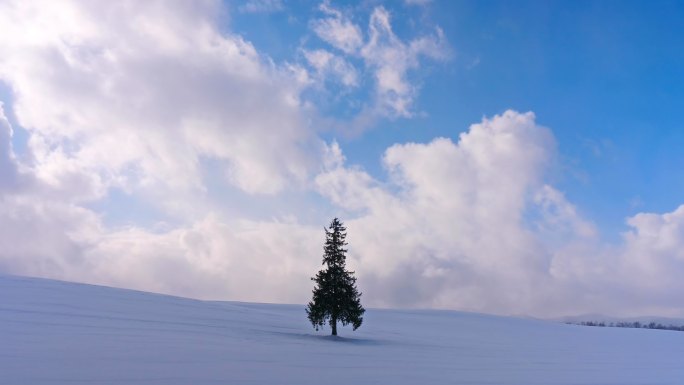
(63, 333)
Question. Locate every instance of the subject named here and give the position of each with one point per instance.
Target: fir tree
(335, 297)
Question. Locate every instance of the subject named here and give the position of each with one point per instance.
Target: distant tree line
(635, 325)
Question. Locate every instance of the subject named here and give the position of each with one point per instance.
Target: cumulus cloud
(639, 276)
(474, 225)
(149, 98)
(47, 234)
(453, 218)
(140, 94)
(654, 250)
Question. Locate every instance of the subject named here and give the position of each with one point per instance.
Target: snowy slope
(63, 333)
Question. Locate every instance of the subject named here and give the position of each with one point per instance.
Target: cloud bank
(156, 100)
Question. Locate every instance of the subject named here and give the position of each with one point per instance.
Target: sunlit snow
(63, 333)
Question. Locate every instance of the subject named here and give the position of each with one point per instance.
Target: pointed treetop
(335, 296)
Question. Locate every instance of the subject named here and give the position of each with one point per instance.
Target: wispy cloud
(261, 6)
(417, 2)
(330, 66)
(338, 30)
(389, 59)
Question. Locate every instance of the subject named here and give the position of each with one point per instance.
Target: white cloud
(451, 228)
(261, 6)
(330, 66)
(389, 59)
(640, 276)
(8, 165)
(558, 214)
(338, 30)
(474, 225)
(655, 249)
(45, 234)
(449, 231)
(150, 98)
(418, 2)
(138, 94)
(249, 260)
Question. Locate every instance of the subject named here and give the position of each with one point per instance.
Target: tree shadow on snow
(348, 340)
(334, 339)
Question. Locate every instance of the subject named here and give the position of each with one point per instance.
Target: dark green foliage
(335, 297)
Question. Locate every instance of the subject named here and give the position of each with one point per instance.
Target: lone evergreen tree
(335, 297)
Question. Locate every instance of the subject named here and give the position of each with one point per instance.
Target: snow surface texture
(64, 333)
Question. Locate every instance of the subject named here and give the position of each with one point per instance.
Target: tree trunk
(334, 326)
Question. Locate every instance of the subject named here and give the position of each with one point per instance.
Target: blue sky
(183, 141)
(604, 76)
